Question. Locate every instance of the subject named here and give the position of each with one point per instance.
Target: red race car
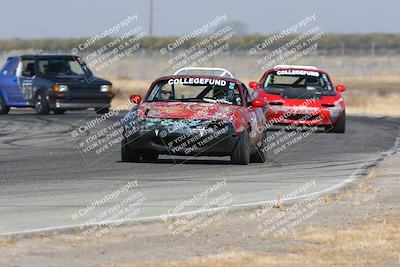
(302, 95)
(194, 114)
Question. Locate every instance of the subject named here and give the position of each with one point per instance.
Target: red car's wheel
(339, 126)
(241, 153)
(261, 151)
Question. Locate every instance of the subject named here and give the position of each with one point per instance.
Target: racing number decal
(27, 90)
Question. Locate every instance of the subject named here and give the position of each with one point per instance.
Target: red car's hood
(187, 110)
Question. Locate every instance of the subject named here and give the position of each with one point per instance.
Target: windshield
(310, 80)
(61, 67)
(196, 90)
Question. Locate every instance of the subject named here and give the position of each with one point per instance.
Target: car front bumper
(184, 141)
(61, 104)
(307, 117)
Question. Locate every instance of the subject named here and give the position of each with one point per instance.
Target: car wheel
(339, 126)
(150, 156)
(241, 152)
(127, 154)
(261, 152)
(41, 104)
(59, 111)
(4, 109)
(101, 110)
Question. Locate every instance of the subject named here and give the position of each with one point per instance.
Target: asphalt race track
(43, 178)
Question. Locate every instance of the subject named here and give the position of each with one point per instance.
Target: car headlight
(105, 88)
(62, 88)
(336, 110)
(59, 88)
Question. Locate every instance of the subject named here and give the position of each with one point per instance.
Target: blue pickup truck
(52, 83)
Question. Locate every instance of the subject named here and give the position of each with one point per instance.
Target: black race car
(52, 82)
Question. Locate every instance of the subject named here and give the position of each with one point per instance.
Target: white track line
(350, 180)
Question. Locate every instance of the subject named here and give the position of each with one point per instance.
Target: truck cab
(52, 83)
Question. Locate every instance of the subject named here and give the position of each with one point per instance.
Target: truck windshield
(61, 67)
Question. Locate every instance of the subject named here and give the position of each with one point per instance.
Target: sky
(28, 19)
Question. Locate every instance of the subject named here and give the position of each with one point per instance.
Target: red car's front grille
(301, 117)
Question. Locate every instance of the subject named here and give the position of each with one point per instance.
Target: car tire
(241, 152)
(127, 154)
(41, 104)
(4, 109)
(150, 156)
(261, 153)
(101, 110)
(59, 111)
(339, 126)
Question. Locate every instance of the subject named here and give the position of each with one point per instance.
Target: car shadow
(190, 161)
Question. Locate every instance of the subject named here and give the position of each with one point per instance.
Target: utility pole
(373, 49)
(151, 18)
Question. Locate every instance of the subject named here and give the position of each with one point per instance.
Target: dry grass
(367, 241)
(371, 241)
(375, 95)
(6, 242)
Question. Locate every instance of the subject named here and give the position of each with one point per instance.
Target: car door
(26, 73)
(10, 80)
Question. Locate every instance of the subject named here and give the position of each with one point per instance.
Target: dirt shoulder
(358, 227)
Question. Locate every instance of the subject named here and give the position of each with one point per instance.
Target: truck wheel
(59, 111)
(339, 126)
(101, 110)
(4, 109)
(41, 104)
(241, 152)
(127, 154)
(261, 151)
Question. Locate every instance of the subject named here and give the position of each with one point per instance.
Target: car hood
(186, 110)
(76, 80)
(299, 93)
(312, 100)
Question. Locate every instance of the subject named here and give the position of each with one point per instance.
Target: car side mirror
(258, 103)
(340, 88)
(253, 85)
(137, 99)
